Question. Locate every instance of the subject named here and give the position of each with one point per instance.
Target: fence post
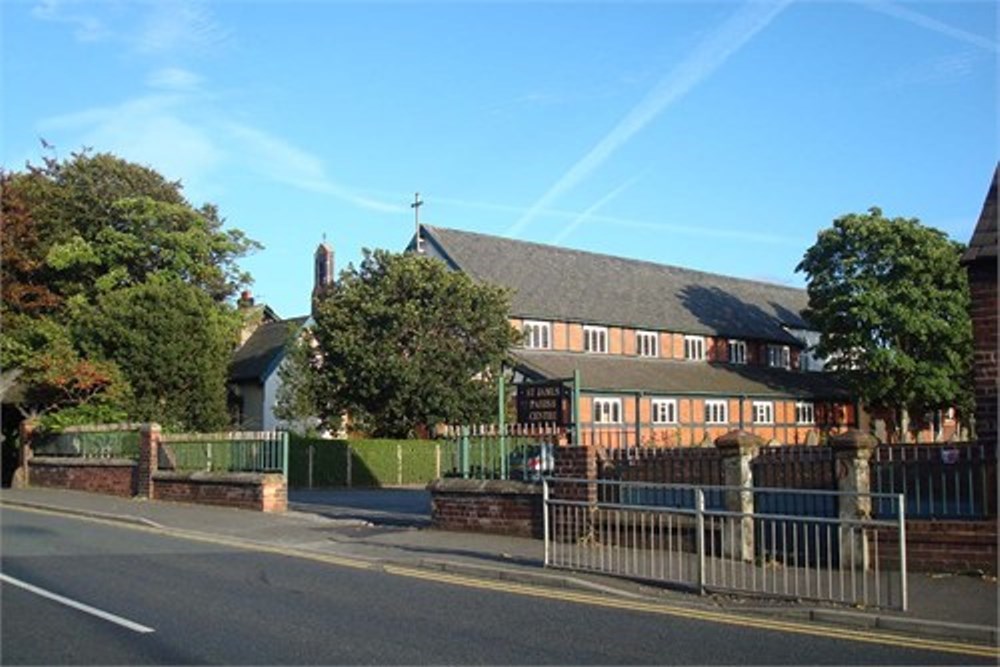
(284, 456)
(312, 453)
(463, 453)
(437, 460)
(545, 518)
(852, 451)
(347, 451)
(904, 593)
(699, 506)
(399, 464)
(149, 452)
(738, 449)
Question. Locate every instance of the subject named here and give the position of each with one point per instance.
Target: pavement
(385, 527)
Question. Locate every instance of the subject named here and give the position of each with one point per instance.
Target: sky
(720, 136)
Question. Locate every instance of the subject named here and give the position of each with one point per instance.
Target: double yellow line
(562, 595)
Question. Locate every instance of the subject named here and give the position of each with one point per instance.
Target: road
(192, 601)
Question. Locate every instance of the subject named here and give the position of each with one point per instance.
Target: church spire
(322, 267)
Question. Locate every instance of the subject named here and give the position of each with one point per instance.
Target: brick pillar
(578, 463)
(149, 452)
(852, 451)
(738, 449)
(22, 476)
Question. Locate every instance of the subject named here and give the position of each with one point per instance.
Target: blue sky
(719, 136)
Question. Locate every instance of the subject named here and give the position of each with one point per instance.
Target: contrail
(708, 56)
(590, 210)
(924, 21)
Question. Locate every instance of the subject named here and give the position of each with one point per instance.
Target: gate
(667, 533)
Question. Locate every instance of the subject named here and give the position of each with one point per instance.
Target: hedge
(373, 462)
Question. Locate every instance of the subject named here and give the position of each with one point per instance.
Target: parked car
(531, 462)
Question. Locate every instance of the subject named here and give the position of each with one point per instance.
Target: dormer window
(537, 335)
(647, 343)
(595, 339)
(694, 348)
(737, 352)
(779, 356)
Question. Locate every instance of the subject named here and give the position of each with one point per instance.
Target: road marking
(830, 632)
(86, 608)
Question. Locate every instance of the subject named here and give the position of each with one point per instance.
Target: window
(804, 413)
(537, 335)
(737, 352)
(647, 343)
(763, 412)
(716, 412)
(779, 356)
(664, 411)
(607, 410)
(595, 339)
(694, 348)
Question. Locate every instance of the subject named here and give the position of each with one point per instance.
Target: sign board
(544, 403)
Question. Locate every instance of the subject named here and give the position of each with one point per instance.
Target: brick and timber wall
(487, 506)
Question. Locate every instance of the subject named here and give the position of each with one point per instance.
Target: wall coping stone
(739, 440)
(203, 477)
(853, 440)
(484, 486)
(77, 462)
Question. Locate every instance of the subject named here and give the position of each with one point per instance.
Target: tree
(405, 342)
(172, 342)
(891, 303)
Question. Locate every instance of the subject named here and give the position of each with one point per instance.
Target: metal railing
(939, 481)
(669, 533)
(260, 452)
(109, 442)
(516, 451)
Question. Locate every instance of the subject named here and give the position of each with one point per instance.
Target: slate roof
(613, 373)
(983, 244)
(553, 283)
(260, 354)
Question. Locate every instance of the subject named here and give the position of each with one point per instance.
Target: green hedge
(373, 462)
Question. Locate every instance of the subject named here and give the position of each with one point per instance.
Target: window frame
(735, 344)
(670, 404)
(692, 342)
(528, 327)
(805, 407)
(779, 356)
(654, 340)
(614, 410)
(716, 403)
(599, 334)
(768, 409)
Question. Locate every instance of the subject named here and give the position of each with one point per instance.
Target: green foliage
(406, 342)
(82, 238)
(81, 415)
(173, 344)
(373, 462)
(891, 302)
(300, 392)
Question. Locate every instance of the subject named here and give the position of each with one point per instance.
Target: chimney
(246, 299)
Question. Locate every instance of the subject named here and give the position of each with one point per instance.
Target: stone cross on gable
(417, 203)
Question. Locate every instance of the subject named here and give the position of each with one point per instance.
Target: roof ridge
(618, 258)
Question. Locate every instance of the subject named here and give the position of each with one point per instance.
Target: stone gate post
(852, 451)
(738, 449)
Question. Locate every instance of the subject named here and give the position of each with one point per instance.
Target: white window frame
(805, 412)
(737, 351)
(763, 412)
(716, 411)
(694, 348)
(537, 334)
(779, 356)
(647, 343)
(664, 410)
(595, 339)
(607, 410)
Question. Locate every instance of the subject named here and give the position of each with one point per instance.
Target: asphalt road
(211, 603)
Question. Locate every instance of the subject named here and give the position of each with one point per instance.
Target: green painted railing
(261, 452)
(118, 441)
(514, 451)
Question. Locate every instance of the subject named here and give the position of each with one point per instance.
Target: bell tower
(322, 268)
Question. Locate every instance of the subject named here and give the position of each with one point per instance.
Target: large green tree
(406, 342)
(85, 239)
(891, 303)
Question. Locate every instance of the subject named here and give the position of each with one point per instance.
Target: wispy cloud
(906, 14)
(707, 56)
(86, 27)
(589, 212)
(174, 78)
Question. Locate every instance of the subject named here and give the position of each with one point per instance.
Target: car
(531, 462)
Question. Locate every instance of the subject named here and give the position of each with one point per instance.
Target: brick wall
(944, 546)
(487, 506)
(983, 288)
(115, 477)
(261, 492)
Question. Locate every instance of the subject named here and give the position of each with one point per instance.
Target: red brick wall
(265, 493)
(112, 477)
(487, 506)
(944, 546)
(983, 289)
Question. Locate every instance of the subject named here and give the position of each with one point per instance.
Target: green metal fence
(513, 451)
(260, 452)
(97, 442)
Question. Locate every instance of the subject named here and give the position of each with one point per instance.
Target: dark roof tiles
(983, 243)
(259, 355)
